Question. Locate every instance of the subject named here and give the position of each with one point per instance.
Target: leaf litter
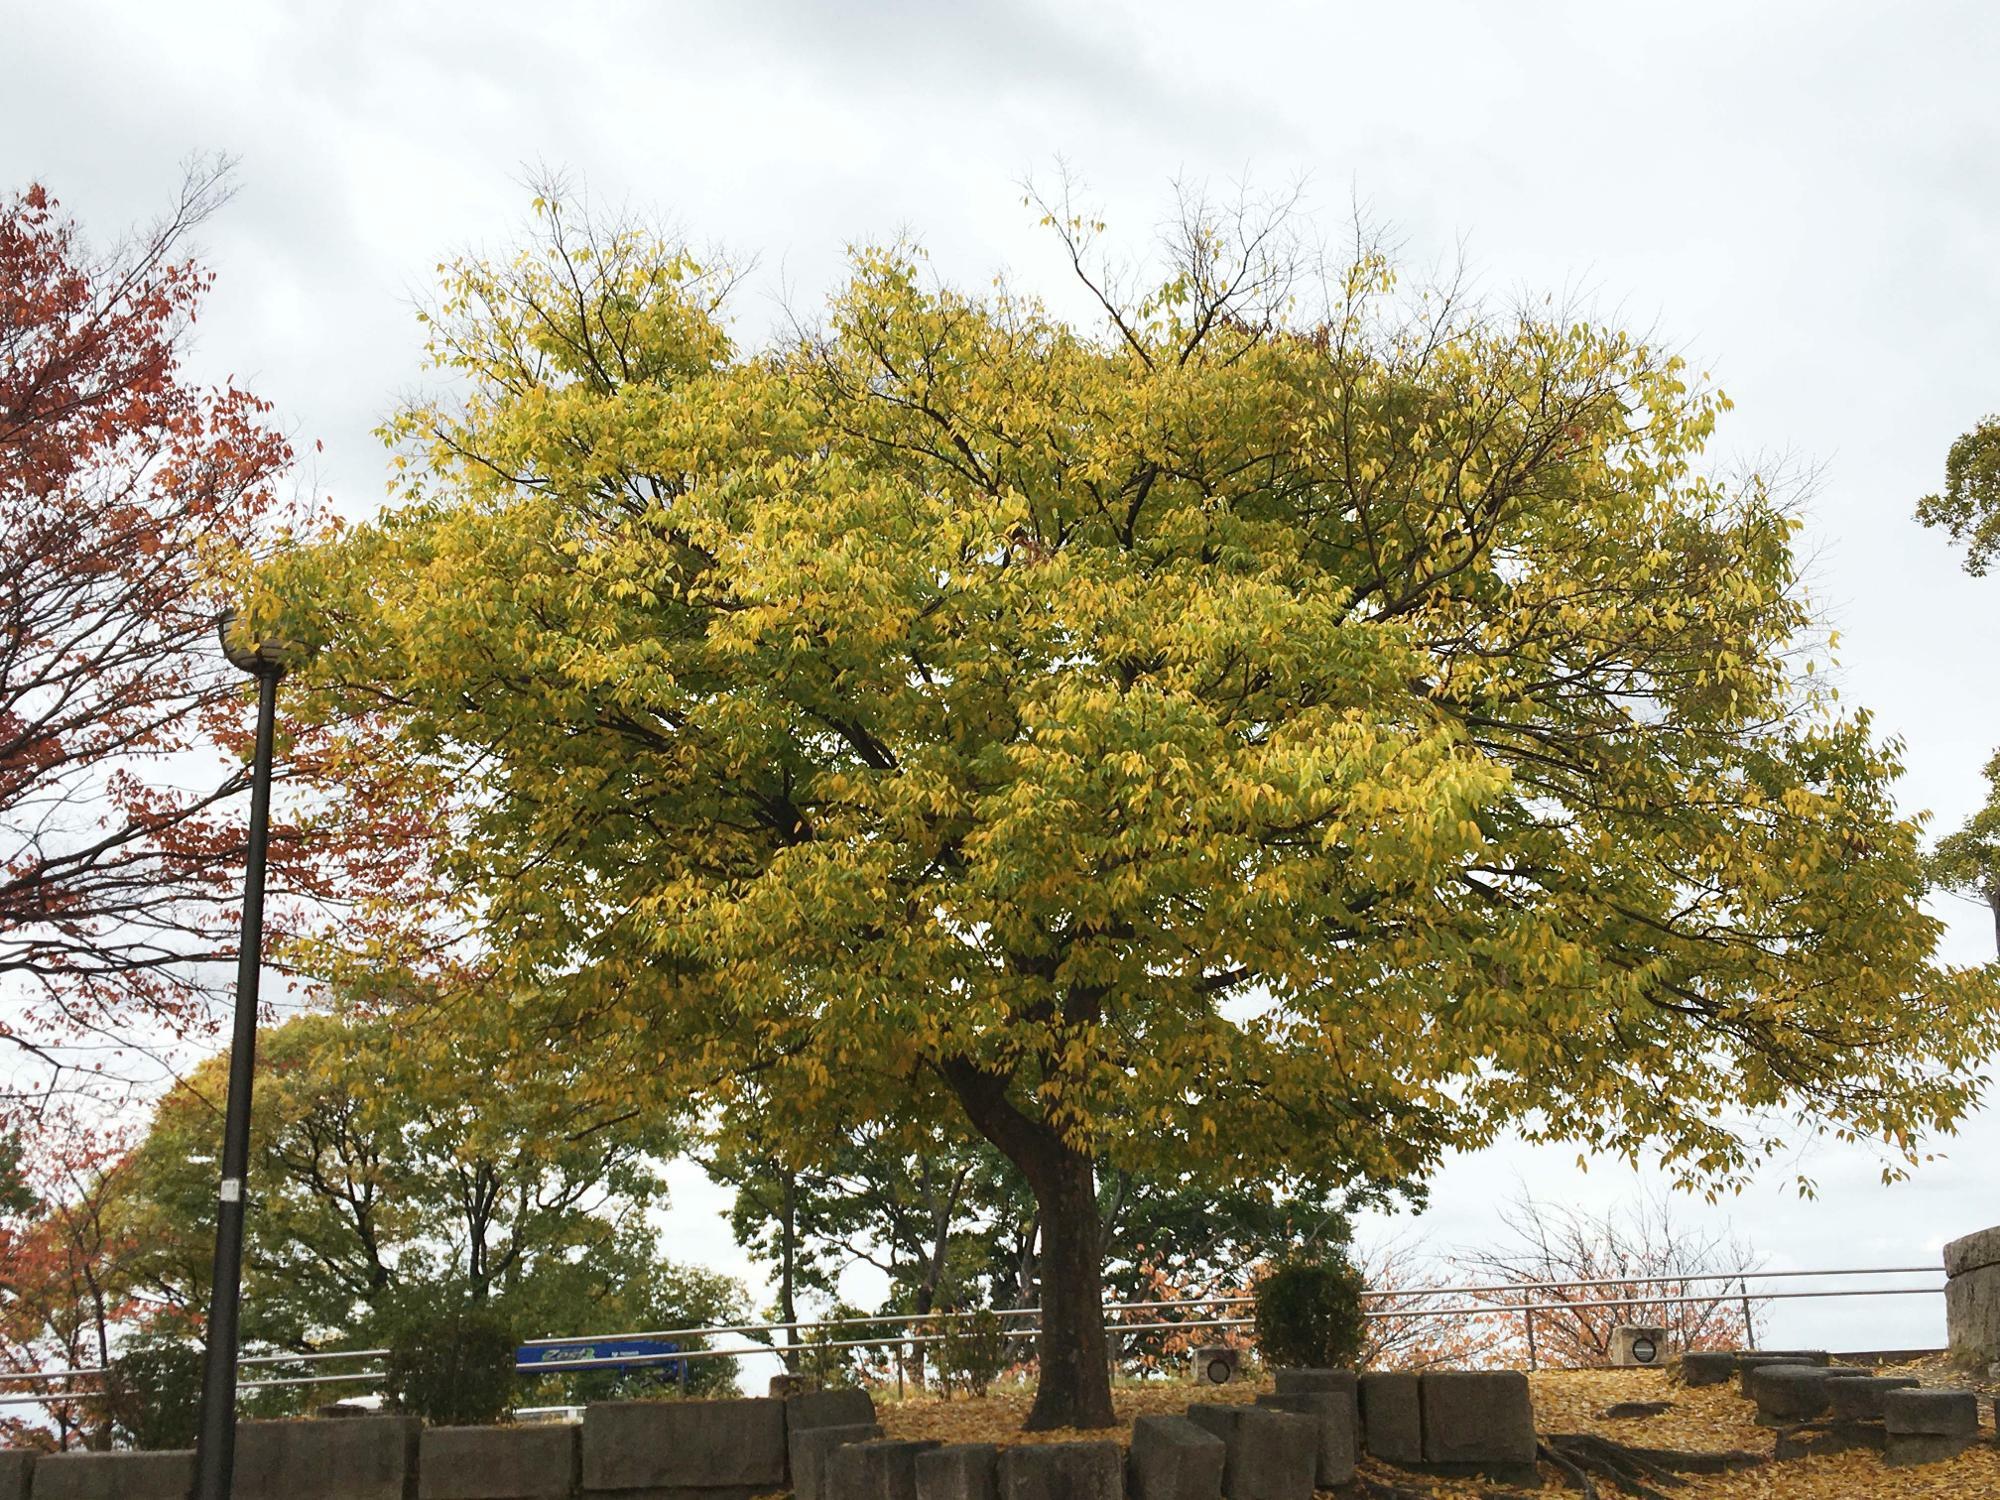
(1705, 1420)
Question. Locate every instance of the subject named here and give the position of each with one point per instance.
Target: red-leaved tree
(65, 1287)
(130, 496)
(1591, 1272)
(122, 485)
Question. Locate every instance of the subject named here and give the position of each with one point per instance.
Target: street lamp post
(215, 1443)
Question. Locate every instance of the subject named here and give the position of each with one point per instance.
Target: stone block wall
(825, 1447)
(351, 1458)
(729, 1448)
(113, 1476)
(498, 1463)
(1972, 1296)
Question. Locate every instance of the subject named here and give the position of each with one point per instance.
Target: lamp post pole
(215, 1444)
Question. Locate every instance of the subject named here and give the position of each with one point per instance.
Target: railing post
(1528, 1319)
(1749, 1327)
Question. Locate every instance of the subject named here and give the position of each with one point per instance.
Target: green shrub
(155, 1391)
(1309, 1313)
(972, 1351)
(452, 1363)
(824, 1366)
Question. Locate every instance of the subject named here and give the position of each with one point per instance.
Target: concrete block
(1336, 1414)
(838, 1408)
(1215, 1417)
(1478, 1417)
(881, 1470)
(1787, 1395)
(1931, 1413)
(1298, 1382)
(1172, 1458)
(17, 1469)
(1270, 1455)
(783, 1387)
(958, 1471)
(1906, 1448)
(1708, 1366)
(1972, 1296)
(498, 1463)
(641, 1445)
(1861, 1400)
(1061, 1471)
(115, 1476)
(1752, 1379)
(352, 1458)
(1638, 1344)
(812, 1447)
(1973, 1252)
(1757, 1375)
(1392, 1416)
(1816, 1439)
(1755, 1359)
(1216, 1364)
(1972, 1315)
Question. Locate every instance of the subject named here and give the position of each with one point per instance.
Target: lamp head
(271, 657)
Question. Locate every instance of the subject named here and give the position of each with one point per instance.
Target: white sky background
(1806, 197)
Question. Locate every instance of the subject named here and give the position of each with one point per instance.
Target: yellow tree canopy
(1288, 720)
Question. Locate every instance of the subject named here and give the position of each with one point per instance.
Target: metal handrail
(1180, 1325)
(1531, 1286)
(1476, 1309)
(1218, 1299)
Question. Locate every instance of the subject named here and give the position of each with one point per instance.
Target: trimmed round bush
(1309, 1313)
(452, 1365)
(155, 1391)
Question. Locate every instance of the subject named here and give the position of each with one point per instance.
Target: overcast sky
(1803, 196)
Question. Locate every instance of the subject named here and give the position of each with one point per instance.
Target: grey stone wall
(1972, 1296)
(744, 1449)
(113, 1476)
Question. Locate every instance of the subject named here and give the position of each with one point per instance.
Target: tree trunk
(787, 1258)
(1075, 1385)
(1028, 1245)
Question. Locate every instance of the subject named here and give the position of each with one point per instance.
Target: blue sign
(620, 1355)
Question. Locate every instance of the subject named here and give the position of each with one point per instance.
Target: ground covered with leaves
(1710, 1420)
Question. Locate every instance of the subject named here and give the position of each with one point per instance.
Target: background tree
(392, 1166)
(1264, 729)
(1968, 508)
(1413, 1330)
(780, 1214)
(120, 482)
(127, 493)
(1205, 1237)
(872, 1198)
(1182, 1239)
(65, 1267)
(1967, 861)
(951, 1225)
(16, 1197)
(1638, 1258)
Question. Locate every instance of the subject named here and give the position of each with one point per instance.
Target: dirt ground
(1710, 1419)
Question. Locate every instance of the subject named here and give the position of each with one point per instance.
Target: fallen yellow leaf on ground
(1707, 1419)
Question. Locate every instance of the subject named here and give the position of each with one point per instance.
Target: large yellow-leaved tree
(1281, 721)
